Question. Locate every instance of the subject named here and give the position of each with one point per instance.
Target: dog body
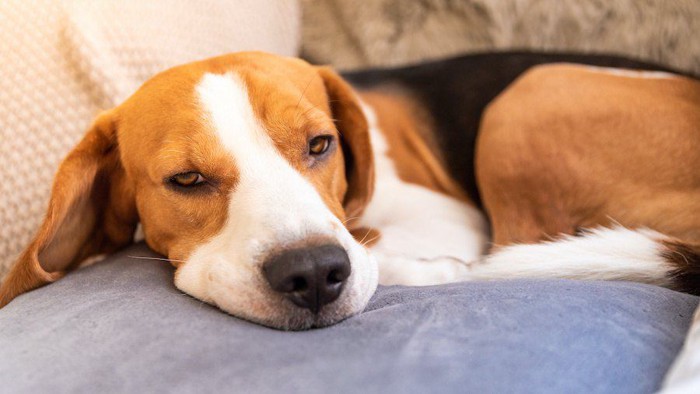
(546, 169)
(281, 194)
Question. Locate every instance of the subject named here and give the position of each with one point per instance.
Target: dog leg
(408, 271)
(617, 253)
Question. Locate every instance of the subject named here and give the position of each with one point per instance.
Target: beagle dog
(283, 195)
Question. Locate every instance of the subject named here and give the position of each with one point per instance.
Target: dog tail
(616, 253)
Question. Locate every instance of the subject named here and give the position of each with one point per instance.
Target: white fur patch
(602, 254)
(272, 206)
(138, 234)
(426, 236)
(627, 73)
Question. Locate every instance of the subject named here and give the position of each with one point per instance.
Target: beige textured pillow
(64, 61)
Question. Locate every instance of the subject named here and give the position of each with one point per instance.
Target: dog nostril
(299, 284)
(335, 277)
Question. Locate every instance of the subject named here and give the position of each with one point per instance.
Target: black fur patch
(686, 260)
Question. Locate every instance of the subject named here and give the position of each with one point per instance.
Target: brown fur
(356, 140)
(565, 148)
(90, 212)
(408, 136)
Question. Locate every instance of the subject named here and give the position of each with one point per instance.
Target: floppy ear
(355, 140)
(91, 211)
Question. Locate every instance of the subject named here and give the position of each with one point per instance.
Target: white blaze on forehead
(269, 191)
(226, 104)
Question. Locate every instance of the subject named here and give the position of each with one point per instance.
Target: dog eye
(319, 145)
(187, 179)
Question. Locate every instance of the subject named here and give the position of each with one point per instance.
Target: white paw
(400, 270)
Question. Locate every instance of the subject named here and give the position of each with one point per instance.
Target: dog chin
(287, 316)
(302, 319)
(271, 310)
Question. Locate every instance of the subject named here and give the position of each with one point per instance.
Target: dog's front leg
(396, 269)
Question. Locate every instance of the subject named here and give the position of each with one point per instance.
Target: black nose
(310, 277)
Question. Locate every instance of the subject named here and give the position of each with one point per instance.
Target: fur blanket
(350, 34)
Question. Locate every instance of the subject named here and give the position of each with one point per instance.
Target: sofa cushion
(121, 326)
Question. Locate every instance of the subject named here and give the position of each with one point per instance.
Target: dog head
(242, 170)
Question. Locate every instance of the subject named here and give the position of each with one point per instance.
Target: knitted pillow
(64, 61)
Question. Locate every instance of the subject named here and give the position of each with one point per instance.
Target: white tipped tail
(616, 253)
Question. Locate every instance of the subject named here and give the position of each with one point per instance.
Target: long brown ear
(352, 124)
(91, 211)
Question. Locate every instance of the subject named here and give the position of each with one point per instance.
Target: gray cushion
(121, 326)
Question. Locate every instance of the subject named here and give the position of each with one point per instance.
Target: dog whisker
(155, 258)
(349, 219)
(370, 240)
(296, 108)
(362, 241)
(363, 238)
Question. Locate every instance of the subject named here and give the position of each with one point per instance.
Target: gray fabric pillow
(121, 326)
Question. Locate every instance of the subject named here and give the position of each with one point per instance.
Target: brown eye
(187, 179)
(319, 145)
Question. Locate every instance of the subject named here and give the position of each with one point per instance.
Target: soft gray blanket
(121, 326)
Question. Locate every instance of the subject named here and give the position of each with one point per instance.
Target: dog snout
(310, 277)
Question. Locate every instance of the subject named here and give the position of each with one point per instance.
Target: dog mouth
(276, 312)
(289, 315)
(305, 320)
(260, 303)
(294, 288)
